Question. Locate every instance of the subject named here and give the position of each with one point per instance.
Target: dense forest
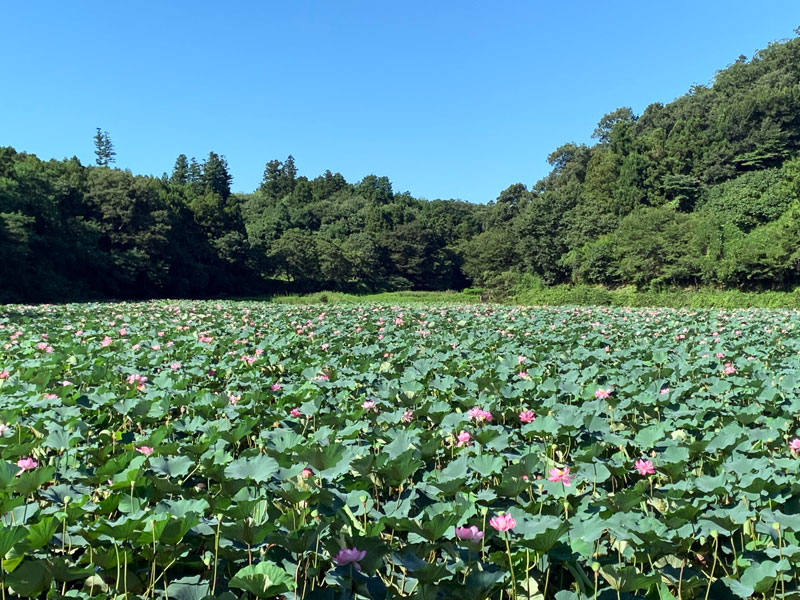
(704, 190)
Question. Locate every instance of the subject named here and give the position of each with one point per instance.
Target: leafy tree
(606, 125)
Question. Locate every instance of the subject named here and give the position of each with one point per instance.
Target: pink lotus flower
(137, 380)
(479, 415)
(3, 429)
(106, 342)
(51, 396)
(146, 450)
(645, 467)
(602, 394)
(561, 475)
(275, 387)
(368, 404)
(350, 556)
(26, 464)
(522, 374)
(469, 534)
(794, 445)
(527, 416)
(307, 472)
(503, 522)
(464, 439)
(408, 416)
(664, 391)
(521, 359)
(4, 374)
(175, 366)
(295, 412)
(729, 369)
(234, 399)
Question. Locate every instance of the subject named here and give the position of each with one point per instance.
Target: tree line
(704, 190)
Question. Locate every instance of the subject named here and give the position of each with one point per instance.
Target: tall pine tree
(216, 177)
(103, 149)
(180, 173)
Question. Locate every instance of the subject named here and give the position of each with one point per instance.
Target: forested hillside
(704, 190)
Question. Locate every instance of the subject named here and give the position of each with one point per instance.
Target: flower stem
(511, 566)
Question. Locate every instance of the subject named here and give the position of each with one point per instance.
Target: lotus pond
(195, 450)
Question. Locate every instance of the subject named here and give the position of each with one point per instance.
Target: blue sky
(447, 99)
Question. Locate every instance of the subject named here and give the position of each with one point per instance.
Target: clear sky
(449, 99)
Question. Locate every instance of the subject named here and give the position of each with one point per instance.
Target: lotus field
(196, 450)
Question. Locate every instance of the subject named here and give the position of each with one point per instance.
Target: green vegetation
(532, 292)
(240, 450)
(701, 192)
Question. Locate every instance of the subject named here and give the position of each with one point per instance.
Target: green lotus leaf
(264, 580)
(258, 468)
(171, 466)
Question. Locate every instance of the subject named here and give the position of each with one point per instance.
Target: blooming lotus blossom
(561, 475)
(146, 450)
(51, 396)
(295, 412)
(527, 416)
(368, 404)
(602, 394)
(504, 522)
(645, 467)
(729, 369)
(234, 399)
(464, 439)
(469, 534)
(175, 366)
(794, 445)
(408, 416)
(3, 429)
(106, 342)
(307, 472)
(4, 374)
(26, 464)
(275, 387)
(137, 380)
(664, 391)
(350, 556)
(479, 415)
